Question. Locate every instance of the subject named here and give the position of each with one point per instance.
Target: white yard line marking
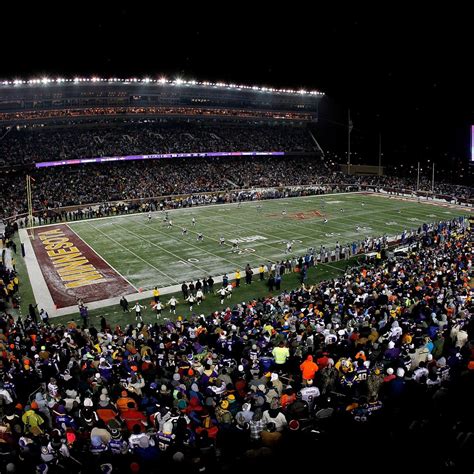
(202, 249)
(133, 253)
(161, 248)
(329, 265)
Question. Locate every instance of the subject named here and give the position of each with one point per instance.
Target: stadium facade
(56, 99)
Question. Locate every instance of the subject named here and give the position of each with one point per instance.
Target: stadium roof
(160, 81)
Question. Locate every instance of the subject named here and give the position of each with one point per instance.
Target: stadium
(192, 280)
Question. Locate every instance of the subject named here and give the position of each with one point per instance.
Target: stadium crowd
(34, 144)
(139, 185)
(371, 369)
(78, 185)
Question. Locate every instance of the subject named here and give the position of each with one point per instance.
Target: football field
(148, 253)
(99, 260)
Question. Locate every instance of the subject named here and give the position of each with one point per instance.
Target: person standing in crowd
(32, 313)
(44, 317)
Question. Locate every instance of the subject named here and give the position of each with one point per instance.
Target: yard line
(361, 216)
(310, 237)
(132, 252)
(332, 266)
(253, 230)
(201, 249)
(201, 269)
(270, 235)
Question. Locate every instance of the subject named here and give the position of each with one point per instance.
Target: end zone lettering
(72, 266)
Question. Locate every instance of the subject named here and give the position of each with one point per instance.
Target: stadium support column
(432, 180)
(349, 129)
(418, 178)
(30, 203)
(380, 154)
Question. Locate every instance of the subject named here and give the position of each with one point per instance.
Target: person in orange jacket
(123, 401)
(308, 369)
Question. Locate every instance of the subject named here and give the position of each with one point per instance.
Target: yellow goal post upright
(29, 201)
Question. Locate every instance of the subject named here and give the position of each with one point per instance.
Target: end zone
(70, 269)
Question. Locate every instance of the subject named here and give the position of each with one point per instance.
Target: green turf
(149, 254)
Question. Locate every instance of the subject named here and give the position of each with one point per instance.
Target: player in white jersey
(138, 311)
(283, 213)
(222, 293)
(184, 231)
(200, 237)
(325, 221)
(221, 240)
(170, 224)
(149, 216)
(193, 222)
(172, 302)
(158, 307)
(288, 247)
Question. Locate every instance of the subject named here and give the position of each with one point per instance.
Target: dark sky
(402, 71)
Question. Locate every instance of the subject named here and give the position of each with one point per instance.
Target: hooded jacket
(308, 368)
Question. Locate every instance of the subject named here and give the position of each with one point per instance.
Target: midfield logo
(244, 240)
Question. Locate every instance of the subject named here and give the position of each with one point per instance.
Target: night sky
(402, 72)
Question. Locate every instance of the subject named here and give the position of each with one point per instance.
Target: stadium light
(162, 80)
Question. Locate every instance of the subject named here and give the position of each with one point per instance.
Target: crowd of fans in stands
(84, 184)
(29, 145)
(357, 370)
(147, 181)
(361, 368)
